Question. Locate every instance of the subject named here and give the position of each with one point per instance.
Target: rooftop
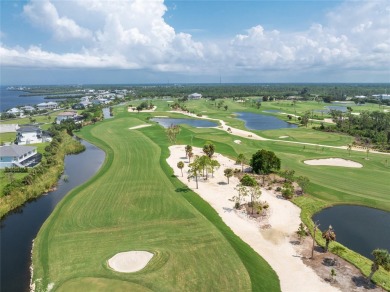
(15, 150)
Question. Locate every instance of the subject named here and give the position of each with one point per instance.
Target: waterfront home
(194, 96)
(28, 135)
(65, 116)
(28, 108)
(47, 105)
(19, 156)
(13, 110)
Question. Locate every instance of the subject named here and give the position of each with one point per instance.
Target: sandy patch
(237, 141)
(272, 244)
(334, 162)
(130, 261)
(140, 126)
(282, 137)
(160, 116)
(133, 110)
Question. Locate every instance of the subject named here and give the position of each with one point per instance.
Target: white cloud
(133, 34)
(43, 13)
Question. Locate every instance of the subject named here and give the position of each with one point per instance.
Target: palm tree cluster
(329, 235)
(202, 165)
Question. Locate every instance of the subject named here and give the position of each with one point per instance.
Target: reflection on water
(361, 229)
(263, 122)
(166, 122)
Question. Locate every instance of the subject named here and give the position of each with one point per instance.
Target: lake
(361, 229)
(166, 122)
(263, 122)
(19, 228)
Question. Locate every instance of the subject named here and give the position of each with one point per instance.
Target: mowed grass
(133, 203)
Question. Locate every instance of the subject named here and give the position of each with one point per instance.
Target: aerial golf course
(135, 202)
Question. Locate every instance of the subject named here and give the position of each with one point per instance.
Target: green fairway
(133, 203)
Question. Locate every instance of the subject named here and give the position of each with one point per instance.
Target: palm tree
(329, 235)
(194, 170)
(228, 172)
(190, 154)
(188, 149)
(214, 164)
(180, 165)
(204, 162)
(209, 149)
(381, 258)
(241, 159)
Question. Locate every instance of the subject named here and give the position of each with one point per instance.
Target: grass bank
(42, 182)
(134, 203)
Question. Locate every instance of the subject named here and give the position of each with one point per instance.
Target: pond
(166, 122)
(263, 122)
(361, 229)
(20, 227)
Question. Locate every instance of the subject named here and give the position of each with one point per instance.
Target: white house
(28, 135)
(18, 156)
(381, 96)
(47, 105)
(194, 96)
(65, 116)
(13, 110)
(28, 108)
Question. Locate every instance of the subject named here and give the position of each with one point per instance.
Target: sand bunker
(333, 162)
(140, 126)
(237, 141)
(130, 261)
(282, 137)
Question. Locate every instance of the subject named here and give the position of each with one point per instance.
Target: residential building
(47, 105)
(28, 135)
(13, 110)
(19, 156)
(65, 116)
(194, 96)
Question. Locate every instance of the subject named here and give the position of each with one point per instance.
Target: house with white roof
(28, 135)
(47, 105)
(19, 156)
(194, 96)
(13, 110)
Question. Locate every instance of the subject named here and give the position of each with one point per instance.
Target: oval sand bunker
(130, 261)
(333, 162)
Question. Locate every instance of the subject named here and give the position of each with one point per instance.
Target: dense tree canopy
(264, 162)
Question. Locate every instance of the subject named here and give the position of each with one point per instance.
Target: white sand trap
(334, 162)
(130, 261)
(282, 137)
(140, 126)
(237, 141)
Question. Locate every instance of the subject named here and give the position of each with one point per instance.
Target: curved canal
(19, 228)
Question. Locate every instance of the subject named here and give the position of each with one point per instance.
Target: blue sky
(156, 41)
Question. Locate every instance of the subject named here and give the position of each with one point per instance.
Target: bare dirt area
(347, 278)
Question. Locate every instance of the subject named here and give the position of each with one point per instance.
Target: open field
(133, 203)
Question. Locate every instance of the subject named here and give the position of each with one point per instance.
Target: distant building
(194, 96)
(360, 96)
(18, 156)
(13, 110)
(47, 105)
(28, 108)
(382, 96)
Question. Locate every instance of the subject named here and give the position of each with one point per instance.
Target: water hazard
(20, 227)
(263, 122)
(166, 122)
(361, 229)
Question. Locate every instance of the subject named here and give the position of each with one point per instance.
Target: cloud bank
(133, 34)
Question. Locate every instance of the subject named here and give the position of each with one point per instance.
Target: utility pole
(316, 225)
